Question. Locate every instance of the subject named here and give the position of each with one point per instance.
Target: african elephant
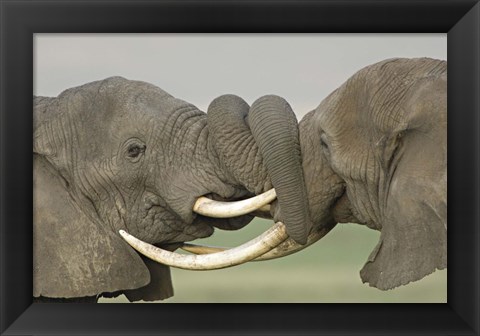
(375, 153)
(121, 155)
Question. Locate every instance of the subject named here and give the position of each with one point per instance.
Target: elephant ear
(160, 286)
(413, 240)
(73, 256)
(406, 254)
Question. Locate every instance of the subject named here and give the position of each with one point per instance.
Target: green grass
(328, 271)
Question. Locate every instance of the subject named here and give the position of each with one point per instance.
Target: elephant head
(375, 153)
(120, 155)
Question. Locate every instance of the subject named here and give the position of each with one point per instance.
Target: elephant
(383, 139)
(117, 155)
(374, 152)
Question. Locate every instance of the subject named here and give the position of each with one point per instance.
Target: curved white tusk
(262, 212)
(235, 256)
(202, 249)
(211, 208)
(288, 247)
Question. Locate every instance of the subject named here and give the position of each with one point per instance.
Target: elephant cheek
(327, 197)
(342, 211)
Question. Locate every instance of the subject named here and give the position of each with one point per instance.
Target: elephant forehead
(124, 90)
(392, 85)
(118, 108)
(380, 98)
(119, 97)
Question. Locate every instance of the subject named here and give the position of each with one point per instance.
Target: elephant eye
(135, 150)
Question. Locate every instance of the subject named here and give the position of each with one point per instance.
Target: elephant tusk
(288, 247)
(263, 212)
(232, 257)
(202, 249)
(216, 209)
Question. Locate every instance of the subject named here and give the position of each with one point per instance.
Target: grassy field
(325, 272)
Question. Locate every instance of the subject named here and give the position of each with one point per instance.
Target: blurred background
(302, 68)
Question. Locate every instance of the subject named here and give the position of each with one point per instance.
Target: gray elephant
(375, 153)
(120, 155)
(382, 162)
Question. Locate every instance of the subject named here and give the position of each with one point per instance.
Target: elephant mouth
(154, 222)
(162, 226)
(273, 243)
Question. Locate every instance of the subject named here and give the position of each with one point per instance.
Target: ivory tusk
(216, 209)
(202, 249)
(263, 212)
(288, 247)
(235, 256)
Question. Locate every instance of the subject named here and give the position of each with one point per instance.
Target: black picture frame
(21, 19)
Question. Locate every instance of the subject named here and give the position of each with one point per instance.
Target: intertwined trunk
(260, 148)
(231, 139)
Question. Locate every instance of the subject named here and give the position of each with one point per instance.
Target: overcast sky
(303, 68)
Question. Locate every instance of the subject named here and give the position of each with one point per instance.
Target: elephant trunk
(232, 141)
(259, 148)
(275, 129)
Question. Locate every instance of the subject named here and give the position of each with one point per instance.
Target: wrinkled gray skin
(375, 153)
(119, 154)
